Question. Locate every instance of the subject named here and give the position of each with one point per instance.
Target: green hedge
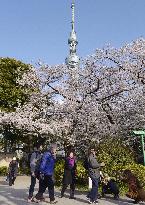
(24, 171)
(24, 168)
(3, 171)
(59, 169)
(117, 158)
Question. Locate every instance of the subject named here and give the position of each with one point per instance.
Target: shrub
(118, 157)
(3, 171)
(82, 176)
(24, 171)
(139, 171)
(59, 169)
(24, 167)
(114, 154)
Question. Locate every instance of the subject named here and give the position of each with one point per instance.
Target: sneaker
(43, 199)
(29, 200)
(35, 200)
(136, 202)
(72, 197)
(95, 202)
(90, 202)
(116, 197)
(53, 202)
(88, 199)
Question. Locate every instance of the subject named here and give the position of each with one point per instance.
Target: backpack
(29, 157)
(37, 167)
(37, 157)
(86, 163)
(38, 163)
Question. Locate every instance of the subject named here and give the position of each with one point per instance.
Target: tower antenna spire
(73, 60)
(73, 15)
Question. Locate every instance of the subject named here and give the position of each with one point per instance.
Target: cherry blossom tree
(103, 97)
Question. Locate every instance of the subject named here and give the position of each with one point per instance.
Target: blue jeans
(31, 189)
(93, 195)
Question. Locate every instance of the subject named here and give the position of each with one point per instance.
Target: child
(109, 186)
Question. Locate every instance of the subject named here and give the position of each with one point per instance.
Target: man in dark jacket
(94, 174)
(46, 175)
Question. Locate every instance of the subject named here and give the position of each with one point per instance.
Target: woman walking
(69, 177)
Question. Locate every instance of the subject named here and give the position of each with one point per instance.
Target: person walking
(94, 174)
(12, 171)
(34, 166)
(69, 177)
(46, 175)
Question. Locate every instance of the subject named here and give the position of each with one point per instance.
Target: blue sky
(38, 29)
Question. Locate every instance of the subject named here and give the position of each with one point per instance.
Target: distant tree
(14, 94)
(11, 93)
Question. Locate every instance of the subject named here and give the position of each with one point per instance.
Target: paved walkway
(17, 195)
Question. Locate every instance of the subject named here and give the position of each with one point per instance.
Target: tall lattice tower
(73, 60)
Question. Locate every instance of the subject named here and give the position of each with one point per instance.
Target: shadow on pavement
(17, 196)
(4, 183)
(120, 201)
(11, 195)
(66, 195)
(110, 199)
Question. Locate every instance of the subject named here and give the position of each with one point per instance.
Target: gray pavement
(17, 195)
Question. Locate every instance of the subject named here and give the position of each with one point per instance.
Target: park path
(17, 195)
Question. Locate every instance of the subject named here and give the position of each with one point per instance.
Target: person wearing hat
(13, 170)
